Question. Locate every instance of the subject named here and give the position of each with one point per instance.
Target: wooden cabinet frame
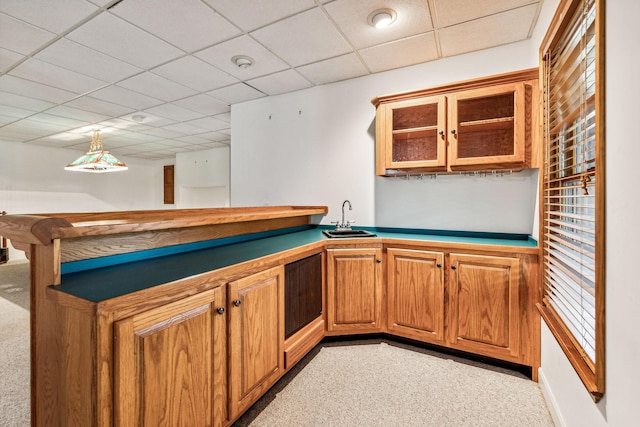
(434, 146)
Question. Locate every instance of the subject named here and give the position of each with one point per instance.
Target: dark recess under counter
(302, 293)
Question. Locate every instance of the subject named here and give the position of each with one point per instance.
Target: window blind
(570, 182)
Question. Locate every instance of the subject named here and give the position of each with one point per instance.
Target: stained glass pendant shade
(97, 160)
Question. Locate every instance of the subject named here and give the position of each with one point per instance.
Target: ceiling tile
(188, 24)
(400, 53)
(162, 133)
(74, 56)
(233, 94)
(21, 37)
(128, 98)
(157, 87)
(113, 36)
(8, 58)
(55, 16)
(284, 81)
(59, 121)
(251, 14)
(98, 106)
(214, 136)
(35, 90)
(24, 102)
(216, 144)
(185, 128)
(174, 112)
(412, 17)
(195, 73)
(450, 12)
(14, 113)
(209, 123)
(28, 129)
(334, 69)
(126, 125)
(225, 117)
(52, 75)
(310, 37)
(203, 104)
(60, 140)
(494, 30)
(191, 139)
(264, 61)
(67, 111)
(175, 143)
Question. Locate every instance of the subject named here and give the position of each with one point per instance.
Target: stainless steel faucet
(344, 225)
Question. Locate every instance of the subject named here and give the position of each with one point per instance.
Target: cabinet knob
(378, 260)
(237, 302)
(439, 265)
(220, 310)
(441, 133)
(453, 267)
(453, 131)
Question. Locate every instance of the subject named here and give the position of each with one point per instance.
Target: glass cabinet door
(416, 133)
(486, 126)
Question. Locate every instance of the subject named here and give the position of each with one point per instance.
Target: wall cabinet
(170, 364)
(256, 336)
(354, 290)
(415, 294)
(478, 125)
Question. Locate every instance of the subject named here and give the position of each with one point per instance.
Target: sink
(348, 233)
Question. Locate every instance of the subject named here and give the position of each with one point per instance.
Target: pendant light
(97, 160)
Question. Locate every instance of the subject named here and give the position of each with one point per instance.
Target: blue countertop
(110, 281)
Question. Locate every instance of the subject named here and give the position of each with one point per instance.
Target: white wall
(621, 404)
(33, 180)
(202, 178)
(316, 146)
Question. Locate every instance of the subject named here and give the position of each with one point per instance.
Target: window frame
(592, 373)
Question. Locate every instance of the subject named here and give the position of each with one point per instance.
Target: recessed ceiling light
(139, 118)
(382, 18)
(242, 61)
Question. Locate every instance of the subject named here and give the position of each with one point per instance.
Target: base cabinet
(354, 290)
(484, 305)
(256, 337)
(170, 364)
(415, 294)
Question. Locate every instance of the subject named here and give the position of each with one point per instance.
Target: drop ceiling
(156, 76)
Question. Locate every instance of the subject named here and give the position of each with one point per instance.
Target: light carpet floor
(14, 365)
(382, 384)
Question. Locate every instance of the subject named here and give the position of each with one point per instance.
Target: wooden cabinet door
(170, 364)
(415, 294)
(484, 305)
(256, 340)
(486, 127)
(354, 287)
(413, 134)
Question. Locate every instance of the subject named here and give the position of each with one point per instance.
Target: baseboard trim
(550, 399)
